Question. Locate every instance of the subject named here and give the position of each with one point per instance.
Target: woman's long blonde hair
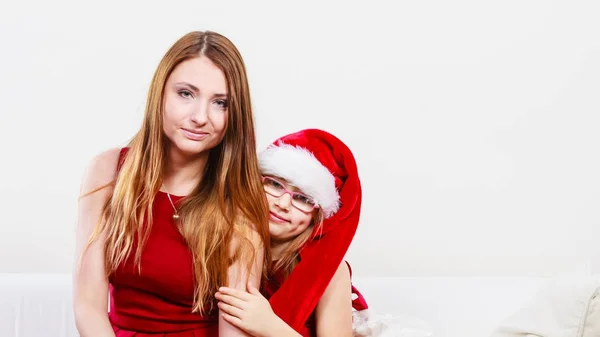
(230, 200)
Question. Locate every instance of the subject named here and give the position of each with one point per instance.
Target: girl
(179, 212)
(314, 195)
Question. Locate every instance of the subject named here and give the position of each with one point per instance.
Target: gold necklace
(175, 214)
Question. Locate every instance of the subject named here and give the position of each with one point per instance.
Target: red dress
(159, 300)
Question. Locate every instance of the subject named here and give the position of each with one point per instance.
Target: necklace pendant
(175, 216)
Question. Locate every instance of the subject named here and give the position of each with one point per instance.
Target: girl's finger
(253, 290)
(233, 321)
(231, 300)
(230, 310)
(241, 294)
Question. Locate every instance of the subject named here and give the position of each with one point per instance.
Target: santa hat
(324, 168)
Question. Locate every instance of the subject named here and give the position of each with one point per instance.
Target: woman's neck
(183, 173)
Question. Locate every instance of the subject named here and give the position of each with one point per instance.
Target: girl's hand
(249, 311)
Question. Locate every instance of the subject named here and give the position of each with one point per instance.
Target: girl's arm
(90, 285)
(334, 310)
(252, 312)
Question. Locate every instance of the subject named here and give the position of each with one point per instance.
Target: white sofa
(39, 305)
(451, 306)
(36, 305)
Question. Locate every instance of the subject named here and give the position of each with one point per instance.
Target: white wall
(475, 124)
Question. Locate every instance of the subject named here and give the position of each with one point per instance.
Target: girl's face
(195, 106)
(286, 219)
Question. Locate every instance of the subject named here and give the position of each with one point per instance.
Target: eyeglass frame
(291, 193)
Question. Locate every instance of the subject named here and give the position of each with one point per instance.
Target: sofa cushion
(567, 307)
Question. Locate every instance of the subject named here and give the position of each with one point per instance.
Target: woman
(314, 194)
(179, 212)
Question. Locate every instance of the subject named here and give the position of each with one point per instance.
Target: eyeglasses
(277, 189)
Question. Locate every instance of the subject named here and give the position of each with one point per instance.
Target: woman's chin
(192, 148)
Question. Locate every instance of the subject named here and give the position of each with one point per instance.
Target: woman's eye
(185, 94)
(222, 104)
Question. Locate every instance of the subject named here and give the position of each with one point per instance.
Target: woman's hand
(249, 311)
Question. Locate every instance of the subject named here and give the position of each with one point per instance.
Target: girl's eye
(303, 199)
(275, 184)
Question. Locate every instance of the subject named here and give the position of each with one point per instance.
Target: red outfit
(309, 329)
(159, 300)
(271, 286)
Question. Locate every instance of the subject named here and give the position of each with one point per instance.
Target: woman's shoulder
(105, 161)
(101, 170)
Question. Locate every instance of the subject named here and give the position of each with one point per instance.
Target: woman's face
(195, 106)
(286, 221)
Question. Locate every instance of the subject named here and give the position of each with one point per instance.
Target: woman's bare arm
(239, 279)
(90, 285)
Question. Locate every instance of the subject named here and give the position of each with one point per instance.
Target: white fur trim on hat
(302, 169)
